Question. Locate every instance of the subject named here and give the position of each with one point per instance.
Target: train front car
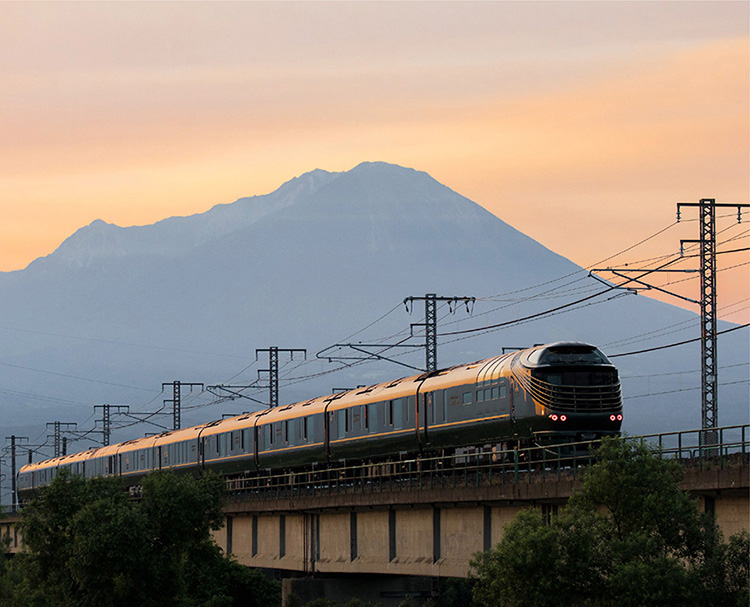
(574, 391)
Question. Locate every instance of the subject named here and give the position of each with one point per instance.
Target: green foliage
(294, 601)
(628, 537)
(88, 544)
(321, 602)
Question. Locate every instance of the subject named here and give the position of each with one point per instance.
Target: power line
(679, 343)
(723, 367)
(97, 381)
(730, 383)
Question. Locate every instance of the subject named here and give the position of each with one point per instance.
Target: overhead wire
(692, 371)
(730, 383)
(679, 343)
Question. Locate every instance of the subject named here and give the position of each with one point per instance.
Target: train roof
(563, 353)
(392, 389)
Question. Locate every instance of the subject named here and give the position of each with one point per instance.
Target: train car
(557, 393)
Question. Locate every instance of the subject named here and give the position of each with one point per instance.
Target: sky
(582, 124)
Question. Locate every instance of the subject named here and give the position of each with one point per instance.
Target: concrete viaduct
(430, 530)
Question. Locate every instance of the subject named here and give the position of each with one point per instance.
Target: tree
(88, 544)
(628, 537)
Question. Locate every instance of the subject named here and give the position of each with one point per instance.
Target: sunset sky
(582, 124)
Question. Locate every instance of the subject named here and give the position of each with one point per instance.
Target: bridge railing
(488, 466)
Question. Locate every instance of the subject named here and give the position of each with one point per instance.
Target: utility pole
(15, 441)
(709, 365)
(177, 398)
(273, 370)
(106, 419)
(708, 318)
(59, 441)
(430, 323)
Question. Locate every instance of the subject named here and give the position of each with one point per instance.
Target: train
(564, 392)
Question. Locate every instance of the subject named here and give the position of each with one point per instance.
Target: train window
(495, 392)
(347, 420)
(304, 428)
(372, 415)
(367, 416)
(432, 407)
(286, 431)
(569, 355)
(398, 413)
(480, 396)
(407, 408)
(488, 394)
(466, 399)
(389, 412)
(341, 423)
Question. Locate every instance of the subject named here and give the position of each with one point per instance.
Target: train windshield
(572, 354)
(571, 377)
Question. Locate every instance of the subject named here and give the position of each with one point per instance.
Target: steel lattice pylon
(430, 319)
(273, 377)
(273, 370)
(430, 323)
(176, 399)
(709, 367)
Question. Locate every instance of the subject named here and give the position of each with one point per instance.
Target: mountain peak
(305, 184)
(368, 183)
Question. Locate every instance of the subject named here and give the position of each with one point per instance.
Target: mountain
(114, 311)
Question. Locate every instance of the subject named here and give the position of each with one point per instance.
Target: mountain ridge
(102, 239)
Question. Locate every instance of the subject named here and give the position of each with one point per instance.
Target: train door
(516, 399)
(327, 432)
(255, 444)
(428, 414)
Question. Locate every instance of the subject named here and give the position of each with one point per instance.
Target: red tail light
(619, 418)
(553, 417)
(563, 418)
(612, 418)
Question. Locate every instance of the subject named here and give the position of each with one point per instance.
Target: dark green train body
(558, 393)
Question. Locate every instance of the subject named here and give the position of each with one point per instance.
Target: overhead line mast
(709, 366)
(708, 316)
(430, 323)
(273, 370)
(176, 399)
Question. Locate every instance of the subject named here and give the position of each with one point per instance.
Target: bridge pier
(424, 541)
